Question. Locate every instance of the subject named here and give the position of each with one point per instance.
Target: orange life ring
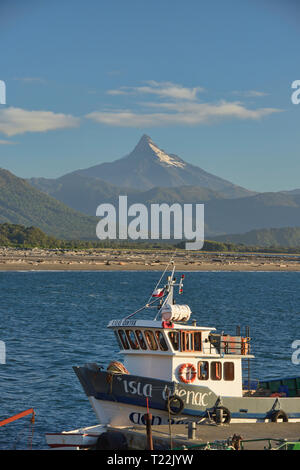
(185, 371)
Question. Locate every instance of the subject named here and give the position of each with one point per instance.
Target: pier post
(148, 421)
(192, 430)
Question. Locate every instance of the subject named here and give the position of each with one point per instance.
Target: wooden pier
(205, 433)
(177, 437)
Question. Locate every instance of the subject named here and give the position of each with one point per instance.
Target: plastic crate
(274, 385)
(253, 384)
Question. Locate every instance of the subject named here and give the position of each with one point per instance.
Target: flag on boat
(158, 292)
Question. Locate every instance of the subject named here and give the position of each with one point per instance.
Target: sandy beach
(36, 259)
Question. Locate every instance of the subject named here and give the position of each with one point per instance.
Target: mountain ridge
(82, 191)
(222, 215)
(21, 203)
(148, 166)
(288, 237)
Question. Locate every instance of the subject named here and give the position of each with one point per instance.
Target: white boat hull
(120, 414)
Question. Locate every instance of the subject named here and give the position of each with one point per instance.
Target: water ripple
(51, 321)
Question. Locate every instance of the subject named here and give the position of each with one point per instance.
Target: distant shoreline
(142, 260)
(88, 268)
(17, 267)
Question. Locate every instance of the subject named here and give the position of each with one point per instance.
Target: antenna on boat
(180, 289)
(169, 289)
(161, 277)
(160, 293)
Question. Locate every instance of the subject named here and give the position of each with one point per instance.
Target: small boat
(181, 371)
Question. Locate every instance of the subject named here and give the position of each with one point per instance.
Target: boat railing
(226, 344)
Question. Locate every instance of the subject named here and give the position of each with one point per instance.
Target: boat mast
(170, 291)
(170, 288)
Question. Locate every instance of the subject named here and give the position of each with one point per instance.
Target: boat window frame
(134, 346)
(118, 339)
(160, 333)
(231, 373)
(142, 342)
(207, 363)
(183, 340)
(148, 342)
(120, 333)
(184, 334)
(213, 373)
(175, 344)
(198, 333)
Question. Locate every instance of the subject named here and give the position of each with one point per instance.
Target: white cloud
(179, 105)
(180, 113)
(30, 79)
(250, 93)
(6, 142)
(162, 89)
(18, 121)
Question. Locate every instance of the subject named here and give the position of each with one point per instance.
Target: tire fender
(172, 400)
(277, 415)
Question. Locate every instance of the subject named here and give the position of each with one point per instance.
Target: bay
(51, 321)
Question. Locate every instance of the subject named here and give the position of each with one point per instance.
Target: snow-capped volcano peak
(146, 143)
(148, 166)
(164, 157)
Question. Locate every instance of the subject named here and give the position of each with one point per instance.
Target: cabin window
(161, 341)
(228, 371)
(191, 341)
(203, 370)
(216, 370)
(118, 340)
(197, 341)
(174, 338)
(132, 339)
(123, 339)
(140, 338)
(187, 341)
(150, 339)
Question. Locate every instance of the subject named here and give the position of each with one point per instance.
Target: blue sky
(209, 81)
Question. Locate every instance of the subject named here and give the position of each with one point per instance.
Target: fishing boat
(179, 371)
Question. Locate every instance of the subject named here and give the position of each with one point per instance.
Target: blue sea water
(51, 321)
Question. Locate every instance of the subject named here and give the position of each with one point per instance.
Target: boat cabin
(183, 354)
(171, 349)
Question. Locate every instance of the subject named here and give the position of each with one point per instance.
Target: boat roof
(154, 324)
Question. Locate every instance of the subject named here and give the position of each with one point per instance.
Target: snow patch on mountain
(164, 157)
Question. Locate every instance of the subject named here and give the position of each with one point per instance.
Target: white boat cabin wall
(183, 354)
